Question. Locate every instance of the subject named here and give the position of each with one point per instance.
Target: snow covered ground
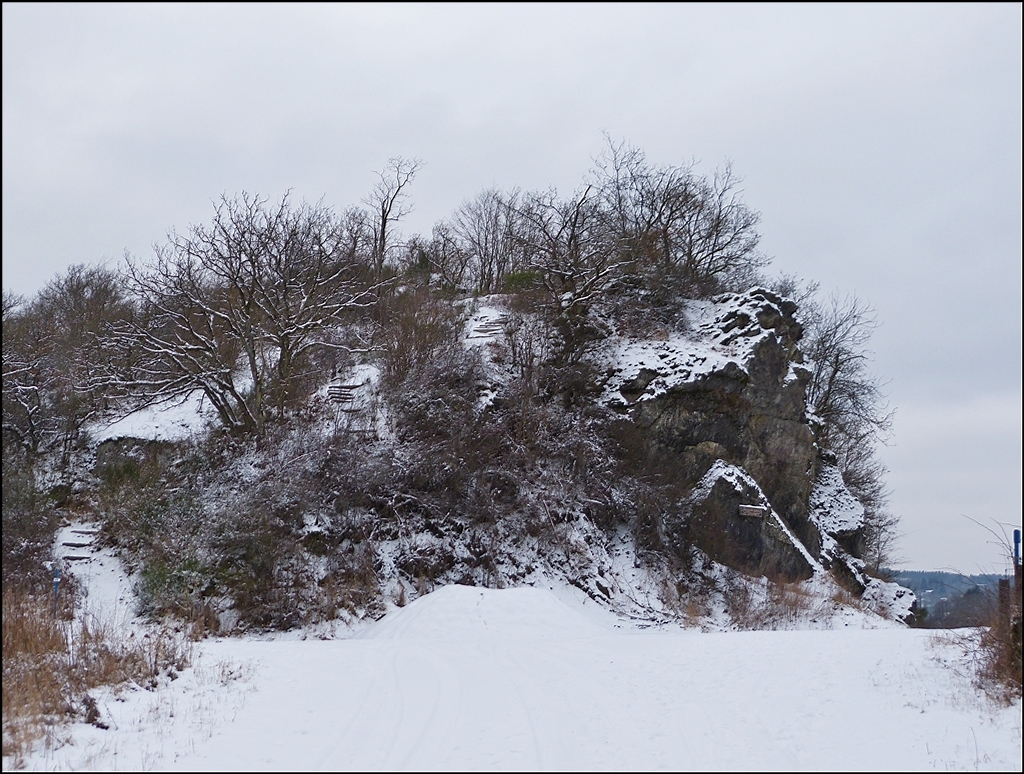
(170, 421)
(540, 678)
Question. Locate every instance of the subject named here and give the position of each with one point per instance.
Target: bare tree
(311, 279)
(865, 476)
(230, 309)
(388, 204)
(850, 404)
(356, 244)
(486, 227)
(843, 393)
(50, 352)
(448, 259)
(684, 233)
(11, 303)
(22, 387)
(643, 202)
(717, 236)
(575, 258)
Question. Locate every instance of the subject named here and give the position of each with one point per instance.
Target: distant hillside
(951, 599)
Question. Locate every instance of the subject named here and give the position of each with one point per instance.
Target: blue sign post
(1016, 565)
(56, 585)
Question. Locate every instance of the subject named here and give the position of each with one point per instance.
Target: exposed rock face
(839, 518)
(733, 390)
(733, 522)
(835, 511)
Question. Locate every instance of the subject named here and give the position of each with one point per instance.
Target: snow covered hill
(463, 492)
(584, 652)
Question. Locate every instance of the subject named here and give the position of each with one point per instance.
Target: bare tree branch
(233, 309)
(388, 202)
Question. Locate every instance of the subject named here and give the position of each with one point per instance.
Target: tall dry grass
(51, 662)
(1000, 648)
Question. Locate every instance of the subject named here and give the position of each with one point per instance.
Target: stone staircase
(76, 544)
(107, 587)
(488, 328)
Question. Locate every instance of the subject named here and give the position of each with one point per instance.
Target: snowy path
(691, 701)
(466, 678)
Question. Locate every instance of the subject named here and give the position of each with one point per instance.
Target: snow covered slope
(477, 613)
(467, 678)
(171, 421)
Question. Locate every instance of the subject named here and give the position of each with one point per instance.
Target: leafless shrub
(417, 330)
(768, 604)
(1000, 653)
(687, 597)
(997, 650)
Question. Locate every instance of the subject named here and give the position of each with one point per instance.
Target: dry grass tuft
(775, 605)
(780, 605)
(50, 663)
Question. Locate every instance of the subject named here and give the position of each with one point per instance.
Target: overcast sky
(881, 145)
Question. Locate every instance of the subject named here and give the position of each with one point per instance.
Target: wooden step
(342, 393)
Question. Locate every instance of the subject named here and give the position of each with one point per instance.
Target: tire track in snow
(441, 721)
(328, 760)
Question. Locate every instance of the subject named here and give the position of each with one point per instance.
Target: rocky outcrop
(732, 390)
(839, 518)
(835, 511)
(730, 518)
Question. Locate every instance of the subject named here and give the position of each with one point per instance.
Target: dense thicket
(260, 308)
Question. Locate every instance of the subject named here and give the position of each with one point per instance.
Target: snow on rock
(724, 330)
(724, 471)
(832, 507)
(890, 600)
(773, 536)
(840, 518)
